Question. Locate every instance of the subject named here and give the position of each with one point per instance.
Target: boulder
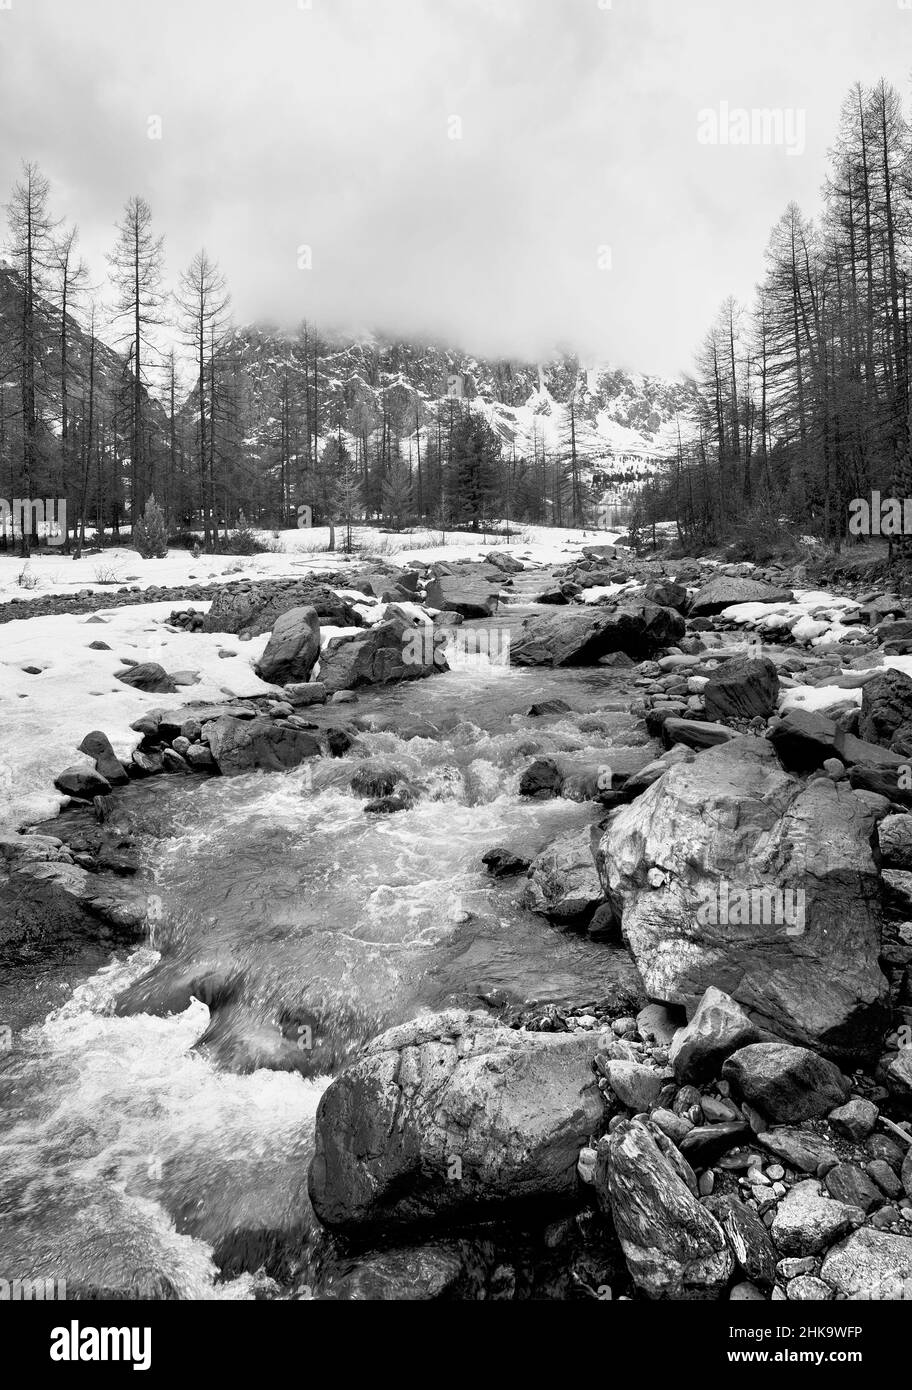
(292, 650)
(886, 707)
(249, 745)
(84, 783)
(665, 593)
(674, 1247)
(805, 740)
(725, 591)
(894, 834)
(855, 1120)
(469, 596)
(564, 884)
(807, 1222)
(453, 1116)
(148, 676)
(392, 651)
(786, 1084)
(870, 1265)
(718, 1028)
(637, 1087)
(799, 1148)
(581, 636)
(743, 688)
(250, 610)
(98, 746)
(690, 867)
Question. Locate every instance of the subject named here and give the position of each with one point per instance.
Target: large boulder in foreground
(674, 1247)
(453, 1116)
(292, 650)
(725, 591)
(708, 868)
(396, 650)
(581, 636)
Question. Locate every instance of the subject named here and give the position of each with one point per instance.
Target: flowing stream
(157, 1123)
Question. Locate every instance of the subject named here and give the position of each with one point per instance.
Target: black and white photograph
(456, 674)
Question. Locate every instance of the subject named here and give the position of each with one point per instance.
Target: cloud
(454, 166)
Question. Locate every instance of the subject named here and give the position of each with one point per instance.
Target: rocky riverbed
(567, 909)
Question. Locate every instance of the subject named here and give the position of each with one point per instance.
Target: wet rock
(806, 1222)
(787, 1084)
(564, 884)
(392, 651)
(375, 781)
(581, 636)
(449, 1116)
(871, 1265)
(674, 1247)
(292, 650)
(695, 733)
(704, 1145)
(414, 1274)
(718, 1028)
(504, 863)
(710, 833)
(743, 688)
(268, 745)
(84, 783)
(98, 746)
(543, 780)
(390, 805)
(658, 1024)
(807, 1289)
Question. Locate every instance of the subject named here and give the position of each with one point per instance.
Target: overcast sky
(332, 127)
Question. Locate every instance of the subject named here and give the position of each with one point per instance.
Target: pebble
(708, 1182)
(775, 1172)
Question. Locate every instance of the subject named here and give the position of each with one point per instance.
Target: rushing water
(157, 1125)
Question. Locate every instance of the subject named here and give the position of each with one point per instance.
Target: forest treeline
(803, 395)
(115, 392)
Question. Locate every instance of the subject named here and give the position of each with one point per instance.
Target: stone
(470, 597)
(636, 1087)
(800, 1149)
(260, 744)
(250, 610)
(732, 826)
(695, 733)
(148, 676)
(563, 883)
(894, 834)
(787, 1084)
(807, 1289)
(742, 688)
(897, 1074)
(748, 1238)
(805, 740)
(746, 1293)
(580, 636)
(675, 1126)
(98, 746)
(870, 1265)
(542, 780)
(450, 1270)
(504, 863)
(392, 651)
(665, 593)
(674, 1247)
(293, 648)
(83, 783)
(855, 1120)
(718, 1028)
(452, 1115)
(657, 1024)
(851, 1185)
(886, 706)
(726, 591)
(806, 1222)
(883, 1175)
(703, 1145)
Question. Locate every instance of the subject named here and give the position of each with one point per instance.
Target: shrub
(150, 534)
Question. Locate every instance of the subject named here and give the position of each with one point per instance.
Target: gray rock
(894, 834)
(83, 783)
(854, 1120)
(392, 651)
(871, 1265)
(636, 1087)
(806, 1222)
(292, 650)
(718, 1028)
(470, 597)
(724, 591)
(727, 827)
(580, 636)
(748, 1237)
(261, 744)
(564, 884)
(743, 688)
(453, 1116)
(674, 1247)
(786, 1084)
(148, 676)
(852, 1186)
